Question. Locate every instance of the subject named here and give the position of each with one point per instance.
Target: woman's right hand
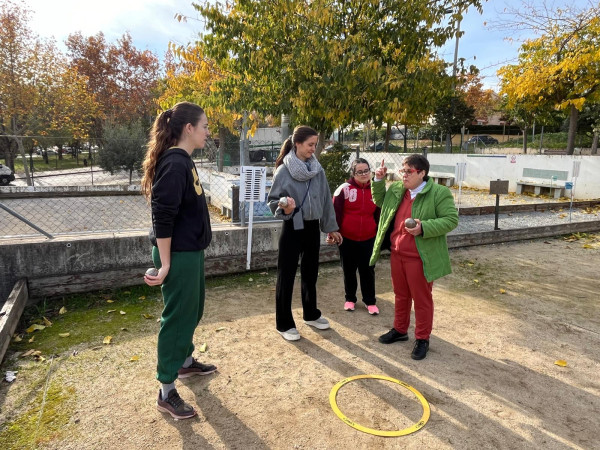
(158, 279)
(381, 171)
(291, 205)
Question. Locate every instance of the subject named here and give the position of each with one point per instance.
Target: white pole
(249, 247)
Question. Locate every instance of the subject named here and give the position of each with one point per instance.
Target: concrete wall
(86, 263)
(483, 168)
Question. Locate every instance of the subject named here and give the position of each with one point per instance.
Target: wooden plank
(11, 314)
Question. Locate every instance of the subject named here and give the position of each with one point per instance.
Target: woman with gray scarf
(300, 196)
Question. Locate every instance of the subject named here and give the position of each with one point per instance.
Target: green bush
(336, 163)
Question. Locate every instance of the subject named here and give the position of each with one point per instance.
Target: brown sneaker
(196, 368)
(175, 406)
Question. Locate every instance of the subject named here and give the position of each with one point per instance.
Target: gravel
(477, 224)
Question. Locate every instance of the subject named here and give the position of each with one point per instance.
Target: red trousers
(410, 284)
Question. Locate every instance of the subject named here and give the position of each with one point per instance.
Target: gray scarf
(298, 169)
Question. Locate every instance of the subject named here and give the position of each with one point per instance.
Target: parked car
(380, 145)
(6, 175)
(482, 139)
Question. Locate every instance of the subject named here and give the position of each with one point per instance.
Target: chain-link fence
(67, 190)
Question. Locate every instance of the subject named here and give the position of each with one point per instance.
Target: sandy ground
(490, 377)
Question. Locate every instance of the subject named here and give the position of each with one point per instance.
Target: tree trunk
(595, 144)
(405, 133)
(525, 140)
(24, 158)
(320, 144)
(572, 130)
(448, 143)
(388, 131)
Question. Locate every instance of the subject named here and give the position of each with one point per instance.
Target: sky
(152, 25)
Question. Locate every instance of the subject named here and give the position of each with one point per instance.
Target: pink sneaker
(349, 306)
(373, 309)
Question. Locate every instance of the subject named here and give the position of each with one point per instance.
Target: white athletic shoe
(290, 335)
(321, 323)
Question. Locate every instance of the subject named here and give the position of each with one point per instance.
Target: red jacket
(355, 212)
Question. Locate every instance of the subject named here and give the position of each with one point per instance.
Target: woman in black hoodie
(180, 233)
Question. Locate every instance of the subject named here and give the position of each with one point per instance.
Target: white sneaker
(321, 323)
(290, 335)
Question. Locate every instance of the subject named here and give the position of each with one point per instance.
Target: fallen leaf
(47, 322)
(264, 273)
(475, 281)
(502, 291)
(122, 312)
(220, 329)
(588, 246)
(127, 292)
(110, 301)
(27, 353)
(17, 339)
(62, 310)
(148, 316)
(561, 363)
(64, 334)
(124, 329)
(107, 340)
(142, 297)
(202, 348)
(250, 279)
(32, 339)
(158, 320)
(34, 327)
(134, 358)
(111, 311)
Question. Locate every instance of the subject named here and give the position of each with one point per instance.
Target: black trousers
(295, 244)
(356, 255)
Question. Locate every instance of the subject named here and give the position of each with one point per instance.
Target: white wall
(483, 168)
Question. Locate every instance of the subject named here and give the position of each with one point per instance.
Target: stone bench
(555, 190)
(543, 182)
(445, 179)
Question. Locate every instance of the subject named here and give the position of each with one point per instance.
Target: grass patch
(43, 421)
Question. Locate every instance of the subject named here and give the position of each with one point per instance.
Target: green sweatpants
(183, 297)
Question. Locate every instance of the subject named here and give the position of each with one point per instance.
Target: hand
(381, 171)
(336, 237)
(329, 239)
(291, 205)
(416, 231)
(158, 279)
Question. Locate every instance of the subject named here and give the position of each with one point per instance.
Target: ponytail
(165, 133)
(301, 134)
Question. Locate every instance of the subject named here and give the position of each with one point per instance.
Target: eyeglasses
(362, 172)
(407, 171)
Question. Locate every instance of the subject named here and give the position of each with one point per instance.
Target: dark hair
(165, 133)
(301, 134)
(356, 162)
(419, 162)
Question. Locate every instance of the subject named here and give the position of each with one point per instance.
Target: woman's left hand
(335, 238)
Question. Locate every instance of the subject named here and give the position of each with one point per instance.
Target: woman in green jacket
(419, 252)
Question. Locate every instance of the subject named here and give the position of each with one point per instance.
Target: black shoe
(393, 336)
(420, 349)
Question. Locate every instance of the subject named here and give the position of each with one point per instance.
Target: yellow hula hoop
(416, 427)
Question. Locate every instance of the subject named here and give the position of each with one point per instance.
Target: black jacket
(179, 209)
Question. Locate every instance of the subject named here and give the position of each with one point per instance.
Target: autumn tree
(122, 78)
(484, 102)
(561, 67)
(18, 70)
(330, 63)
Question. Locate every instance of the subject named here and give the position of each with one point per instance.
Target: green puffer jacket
(434, 206)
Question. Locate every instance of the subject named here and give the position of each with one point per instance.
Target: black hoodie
(179, 209)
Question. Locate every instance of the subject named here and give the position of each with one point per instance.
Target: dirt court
(502, 319)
